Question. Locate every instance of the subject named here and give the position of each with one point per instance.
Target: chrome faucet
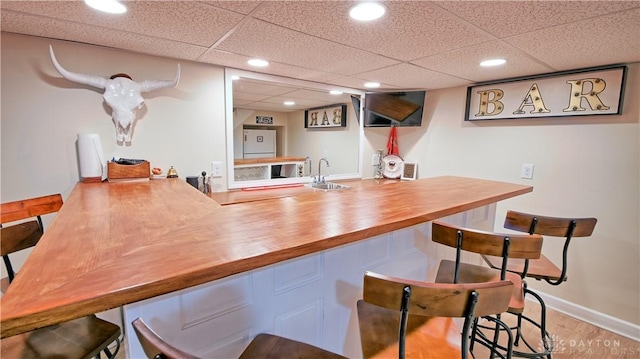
(320, 178)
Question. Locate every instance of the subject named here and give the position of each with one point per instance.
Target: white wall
(584, 166)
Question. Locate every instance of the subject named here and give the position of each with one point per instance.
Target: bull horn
(91, 80)
(150, 85)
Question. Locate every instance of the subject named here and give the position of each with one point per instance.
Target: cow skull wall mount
(121, 93)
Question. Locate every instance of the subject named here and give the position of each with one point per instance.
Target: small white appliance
(259, 144)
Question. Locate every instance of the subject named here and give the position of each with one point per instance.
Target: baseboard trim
(604, 321)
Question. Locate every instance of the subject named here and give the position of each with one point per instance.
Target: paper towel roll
(92, 162)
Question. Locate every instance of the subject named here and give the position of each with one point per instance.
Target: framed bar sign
(594, 91)
(264, 120)
(329, 116)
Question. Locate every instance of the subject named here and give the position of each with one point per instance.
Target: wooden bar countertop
(114, 244)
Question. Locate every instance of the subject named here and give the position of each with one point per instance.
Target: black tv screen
(355, 100)
(385, 109)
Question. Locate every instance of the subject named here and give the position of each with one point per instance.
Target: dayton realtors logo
(589, 348)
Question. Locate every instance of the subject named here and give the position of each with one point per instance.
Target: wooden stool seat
(263, 346)
(538, 268)
(470, 273)
(267, 346)
(85, 337)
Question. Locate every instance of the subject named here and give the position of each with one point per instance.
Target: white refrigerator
(259, 144)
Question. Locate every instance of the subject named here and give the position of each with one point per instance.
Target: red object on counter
(392, 143)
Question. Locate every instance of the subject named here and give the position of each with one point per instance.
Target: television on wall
(386, 109)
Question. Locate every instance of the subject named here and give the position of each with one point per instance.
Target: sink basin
(328, 186)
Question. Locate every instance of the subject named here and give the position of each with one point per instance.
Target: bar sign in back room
(595, 91)
(265, 120)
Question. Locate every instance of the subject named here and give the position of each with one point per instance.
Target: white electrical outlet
(527, 171)
(216, 169)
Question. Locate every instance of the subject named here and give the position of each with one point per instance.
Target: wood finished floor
(574, 338)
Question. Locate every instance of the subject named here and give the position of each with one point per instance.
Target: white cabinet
(267, 169)
(251, 173)
(311, 298)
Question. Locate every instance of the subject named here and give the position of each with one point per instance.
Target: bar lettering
(325, 119)
(533, 98)
(337, 116)
(577, 94)
(486, 98)
(314, 119)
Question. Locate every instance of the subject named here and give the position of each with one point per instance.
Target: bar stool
(504, 247)
(543, 268)
(85, 337)
(263, 346)
(399, 317)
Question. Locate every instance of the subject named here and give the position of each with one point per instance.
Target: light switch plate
(374, 159)
(216, 169)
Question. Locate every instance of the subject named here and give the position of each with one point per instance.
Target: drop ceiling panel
(431, 29)
(248, 97)
(248, 100)
(321, 96)
(260, 39)
(258, 87)
(266, 106)
(52, 28)
(465, 62)
(299, 103)
(189, 22)
(241, 7)
(508, 18)
(611, 39)
(229, 59)
(354, 82)
(413, 77)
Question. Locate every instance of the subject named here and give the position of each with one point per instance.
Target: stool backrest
(524, 246)
(425, 299)
(436, 299)
(154, 346)
(28, 208)
(488, 243)
(23, 235)
(549, 226)
(566, 228)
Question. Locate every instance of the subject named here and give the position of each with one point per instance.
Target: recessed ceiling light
(336, 92)
(289, 103)
(110, 6)
(258, 62)
(493, 62)
(372, 84)
(235, 77)
(367, 11)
